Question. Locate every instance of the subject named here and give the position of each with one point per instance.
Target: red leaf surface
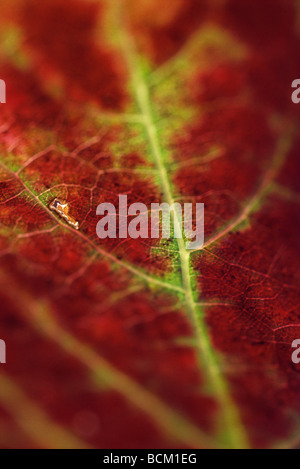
(141, 343)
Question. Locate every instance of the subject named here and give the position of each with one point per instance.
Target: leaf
(141, 343)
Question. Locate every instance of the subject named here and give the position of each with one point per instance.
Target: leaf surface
(141, 343)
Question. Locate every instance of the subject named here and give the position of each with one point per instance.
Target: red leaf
(124, 343)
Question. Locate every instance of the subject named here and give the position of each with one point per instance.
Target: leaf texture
(141, 343)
